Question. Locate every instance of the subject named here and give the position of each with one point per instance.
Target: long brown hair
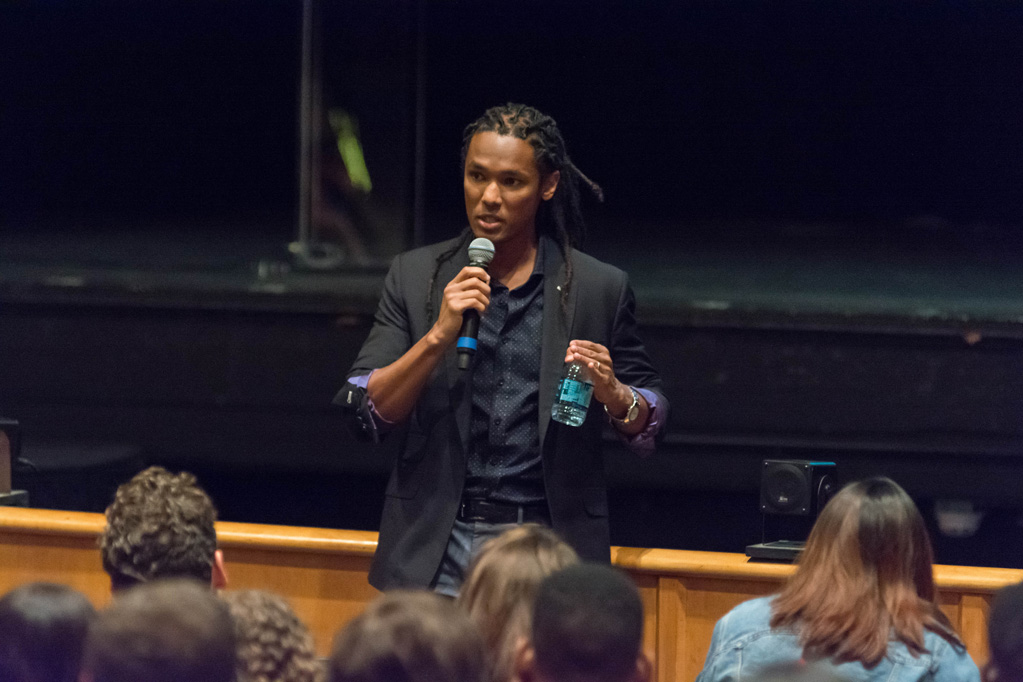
(502, 583)
(864, 578)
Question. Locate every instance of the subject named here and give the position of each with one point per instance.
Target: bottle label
(577, 392)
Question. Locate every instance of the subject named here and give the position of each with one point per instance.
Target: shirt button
(500, 382)
(497, 421)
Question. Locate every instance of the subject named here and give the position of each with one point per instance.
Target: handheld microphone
(481, 252)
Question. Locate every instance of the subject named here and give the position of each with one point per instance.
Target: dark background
(818, 203)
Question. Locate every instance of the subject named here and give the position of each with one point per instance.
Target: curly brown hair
(160, 525)
(273, 644)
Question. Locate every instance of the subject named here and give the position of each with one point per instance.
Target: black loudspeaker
(792, 493)
(796, 486)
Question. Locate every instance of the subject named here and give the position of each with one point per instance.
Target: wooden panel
(707, 599)
(325, 590)
(323, 573)
(972, 625)
(74, 561)
(671, 629)
(648, 592)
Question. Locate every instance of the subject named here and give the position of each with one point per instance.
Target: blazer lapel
(557, 328)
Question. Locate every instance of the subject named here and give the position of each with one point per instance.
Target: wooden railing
(323, 573)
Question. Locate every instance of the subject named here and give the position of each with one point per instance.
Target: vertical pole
(5, 463)
(419, 163)
(305, 106)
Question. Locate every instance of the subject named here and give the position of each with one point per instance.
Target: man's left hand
(606, 387)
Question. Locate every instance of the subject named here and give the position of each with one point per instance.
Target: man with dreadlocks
(481, 451)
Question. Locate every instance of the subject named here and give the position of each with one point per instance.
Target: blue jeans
(464, 543)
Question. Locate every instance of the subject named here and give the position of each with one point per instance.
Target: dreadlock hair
(561, 217)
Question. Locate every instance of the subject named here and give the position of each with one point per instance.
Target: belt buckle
(470, 512)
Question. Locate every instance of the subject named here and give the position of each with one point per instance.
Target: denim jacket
(744, 645)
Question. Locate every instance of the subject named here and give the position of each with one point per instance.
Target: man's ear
(219, 578)
(644, 669)
(549, 184)
(525, 661)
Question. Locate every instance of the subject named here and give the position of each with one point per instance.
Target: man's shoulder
(430, 252)
(754, 611)
(587, 265)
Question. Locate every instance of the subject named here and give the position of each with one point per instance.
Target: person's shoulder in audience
(161, 525)
(273, 643)
(409, 636)
(799, 672)
(1005, 636)
(165, 631)
(42, 629)
(587, 627)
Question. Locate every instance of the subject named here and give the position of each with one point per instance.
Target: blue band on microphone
(467, 342)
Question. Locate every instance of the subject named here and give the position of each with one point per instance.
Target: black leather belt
(501, 512)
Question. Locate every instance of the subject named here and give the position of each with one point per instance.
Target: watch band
(630, 414)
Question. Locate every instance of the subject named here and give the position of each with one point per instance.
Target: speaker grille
(784, 489)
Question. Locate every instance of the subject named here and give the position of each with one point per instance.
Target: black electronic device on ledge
(778, 550)
(10, 445)
(792, 494)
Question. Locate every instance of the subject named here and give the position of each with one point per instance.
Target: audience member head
(408, 636)
(161, 525)
(864, 577)
(273, 644)
(587, 626)
(501, 585)
(1005, 636)
(42, 628)
(165, 631)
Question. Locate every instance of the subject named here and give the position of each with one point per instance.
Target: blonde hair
(501, 585)
(864, 578)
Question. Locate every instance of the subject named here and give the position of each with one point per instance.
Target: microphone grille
(481, 251)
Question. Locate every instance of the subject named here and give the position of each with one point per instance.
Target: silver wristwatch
(630, 414)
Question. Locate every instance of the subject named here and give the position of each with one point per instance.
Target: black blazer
(425, 487)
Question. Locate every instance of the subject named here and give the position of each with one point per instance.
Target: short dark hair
(160, 525)
(42, 629)
(273, 643)
(1005, 635)
(409, 636)
(164, 631)
(587, 623)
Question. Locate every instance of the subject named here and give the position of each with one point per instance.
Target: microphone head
(481, 252)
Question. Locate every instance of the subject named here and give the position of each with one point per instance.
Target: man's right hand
(394, 389)
(469, 290)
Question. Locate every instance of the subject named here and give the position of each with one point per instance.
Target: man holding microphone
(481, 451)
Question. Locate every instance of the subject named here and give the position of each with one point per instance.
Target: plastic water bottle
(573, 396)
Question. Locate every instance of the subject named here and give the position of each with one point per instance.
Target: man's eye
(511, 182)
(476, 176)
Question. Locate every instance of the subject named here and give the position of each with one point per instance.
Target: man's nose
(492, 194)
